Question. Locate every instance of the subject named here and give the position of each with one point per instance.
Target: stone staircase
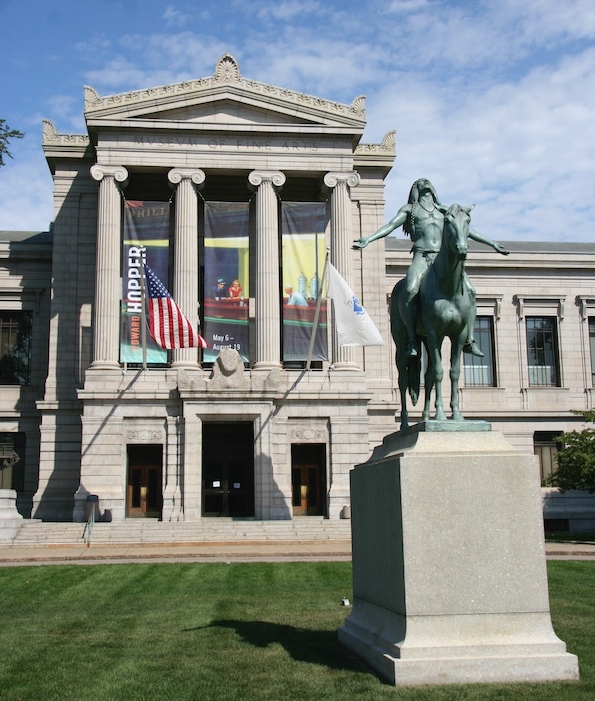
(215, 530)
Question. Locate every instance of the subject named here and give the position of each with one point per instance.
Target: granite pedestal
(449, 573)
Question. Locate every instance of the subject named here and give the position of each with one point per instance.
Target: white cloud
(524, 151)
(157, 59)
(26, 188)
(175, 18)
(288, 10)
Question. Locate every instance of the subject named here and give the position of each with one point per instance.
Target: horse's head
(456, 229)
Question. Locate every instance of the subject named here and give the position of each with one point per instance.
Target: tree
(576, 458)
(6, 133)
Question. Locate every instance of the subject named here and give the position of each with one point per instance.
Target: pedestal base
(449, 575)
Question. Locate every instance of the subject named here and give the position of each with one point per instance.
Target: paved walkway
(218, 552)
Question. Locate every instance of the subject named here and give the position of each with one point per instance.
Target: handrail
(89, 528)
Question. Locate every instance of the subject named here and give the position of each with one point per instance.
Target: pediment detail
(223, 96)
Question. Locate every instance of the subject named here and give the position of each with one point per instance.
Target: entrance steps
(211, 530)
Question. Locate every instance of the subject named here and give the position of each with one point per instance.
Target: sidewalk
(184, 552)
(218, 552)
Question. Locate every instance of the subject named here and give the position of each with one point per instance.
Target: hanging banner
(145, 224)
(226, 279)
(304, 250)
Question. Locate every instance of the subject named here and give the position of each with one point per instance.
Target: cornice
(227, 73)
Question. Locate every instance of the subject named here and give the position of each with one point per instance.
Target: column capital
(119, 173)
(350, 178)
(196, 175)
(257, 177)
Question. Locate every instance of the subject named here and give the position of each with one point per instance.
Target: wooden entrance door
(144, 497)
(308, 480)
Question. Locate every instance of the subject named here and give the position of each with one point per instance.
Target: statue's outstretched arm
(397, 221)
(476, 236)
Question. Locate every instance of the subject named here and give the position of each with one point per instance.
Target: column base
(106, 365)
(348, 367)
(265, 366)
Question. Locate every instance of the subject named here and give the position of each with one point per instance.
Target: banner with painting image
(146, 223)
(226, 278)
(303, 227)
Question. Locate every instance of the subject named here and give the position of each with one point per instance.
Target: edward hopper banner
(304, 252)
(145, 224)
(226, 279)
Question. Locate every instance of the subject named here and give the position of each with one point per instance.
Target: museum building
(234, 193)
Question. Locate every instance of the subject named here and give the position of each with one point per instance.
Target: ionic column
(268, 307)
(108, 286)
(185, 287)
(341, 238)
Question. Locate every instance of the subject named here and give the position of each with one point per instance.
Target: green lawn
(216, 631)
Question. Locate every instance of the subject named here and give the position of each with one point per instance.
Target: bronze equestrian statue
(435, 314)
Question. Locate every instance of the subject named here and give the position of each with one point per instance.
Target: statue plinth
(449, 572)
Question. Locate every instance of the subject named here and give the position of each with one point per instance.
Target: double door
(308, 480)
(228, 469)
(145, 482)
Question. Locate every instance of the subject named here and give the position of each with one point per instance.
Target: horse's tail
(414, 375)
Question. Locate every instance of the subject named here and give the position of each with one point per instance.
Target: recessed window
(592, 347)
(480, 372)
(546, 446)
(15, 348)
(542, 352)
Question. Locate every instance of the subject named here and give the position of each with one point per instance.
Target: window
(546, 446)
(542, 352)
(480, 372)
(592, 347)
(15, 348)
(12, 461)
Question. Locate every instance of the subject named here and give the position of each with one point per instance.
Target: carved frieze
(145, 435)
(308, 435)
(227, 72)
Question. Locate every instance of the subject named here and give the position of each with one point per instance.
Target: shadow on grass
(303, 645)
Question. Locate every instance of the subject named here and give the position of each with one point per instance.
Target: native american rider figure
(422, 219)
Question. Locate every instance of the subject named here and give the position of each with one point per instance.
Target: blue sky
(494, 101)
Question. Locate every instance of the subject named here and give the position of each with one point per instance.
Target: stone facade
(96, 425)
(214, 138)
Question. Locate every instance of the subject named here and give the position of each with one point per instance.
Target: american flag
(167, 325)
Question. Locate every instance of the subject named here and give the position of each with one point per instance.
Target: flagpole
(143, 297)
(317, 312)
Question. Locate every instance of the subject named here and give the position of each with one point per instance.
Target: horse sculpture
(445, 306)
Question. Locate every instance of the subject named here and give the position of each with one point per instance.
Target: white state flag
(354, 326)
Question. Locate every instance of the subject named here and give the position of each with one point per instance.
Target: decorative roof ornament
(92, 97)
(387, 147)
(389, 142)
(51, 136)
(227, 70)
